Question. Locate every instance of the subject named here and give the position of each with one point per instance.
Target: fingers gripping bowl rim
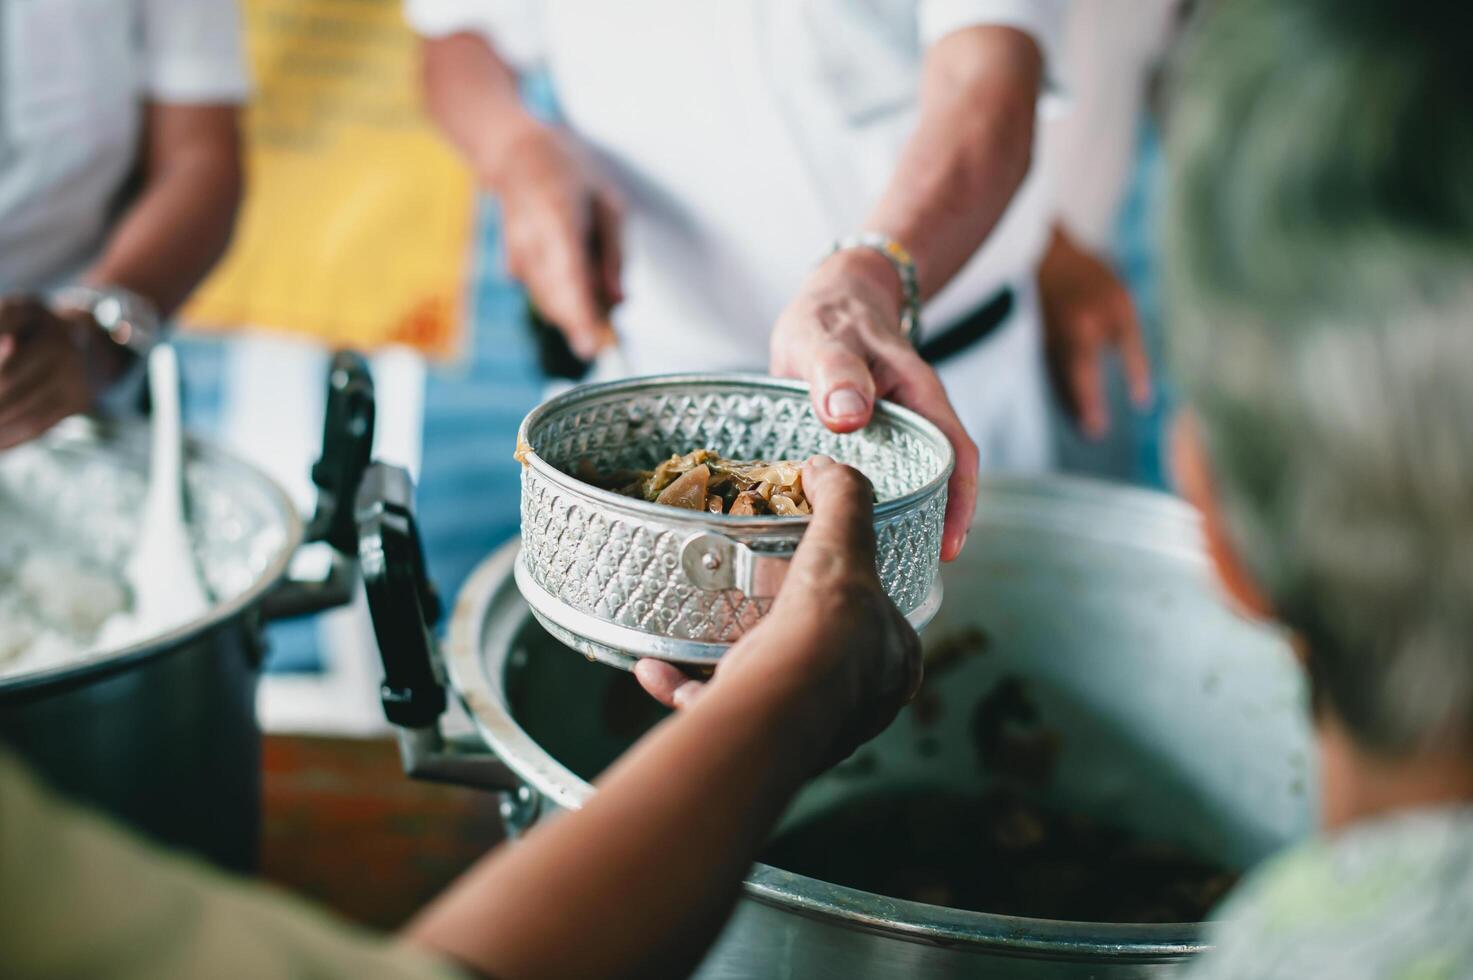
(618, 578)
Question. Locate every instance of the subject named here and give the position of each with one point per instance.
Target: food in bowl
(704, 480)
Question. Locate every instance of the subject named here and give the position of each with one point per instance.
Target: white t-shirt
(74, 76)
(747, 137)
(1110, 48)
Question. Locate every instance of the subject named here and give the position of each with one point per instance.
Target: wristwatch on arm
(130, 321)
(899, 258)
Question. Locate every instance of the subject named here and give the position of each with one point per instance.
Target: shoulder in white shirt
(74, 75)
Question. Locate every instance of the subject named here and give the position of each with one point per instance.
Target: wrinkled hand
(561, 226)
(841, 334)
(1087, 311)
(832, 631)
(43, 369)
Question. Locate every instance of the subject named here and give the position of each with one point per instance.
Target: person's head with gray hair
(1320, 288)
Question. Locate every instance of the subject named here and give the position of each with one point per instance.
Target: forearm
(969, 153)
(178, 227)
(472, 95)
(649, 868)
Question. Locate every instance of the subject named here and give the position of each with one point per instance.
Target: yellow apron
(356, 225)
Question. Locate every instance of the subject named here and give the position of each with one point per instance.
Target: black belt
(970, 330)
(559, 361)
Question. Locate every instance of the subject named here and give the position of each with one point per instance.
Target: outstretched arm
(961, 167)
(640, 880)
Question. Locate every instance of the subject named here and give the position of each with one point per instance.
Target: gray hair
(1320, 288)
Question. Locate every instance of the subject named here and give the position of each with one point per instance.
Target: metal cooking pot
(1174, 718)
(162, 734)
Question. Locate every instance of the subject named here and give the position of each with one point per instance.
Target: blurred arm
(179, 225)
(969, 152)
(471, 93)
(55, 363)
(560, 221)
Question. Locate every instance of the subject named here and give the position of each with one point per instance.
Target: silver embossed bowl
(618, 579)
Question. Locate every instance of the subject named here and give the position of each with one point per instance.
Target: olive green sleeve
(81, 898)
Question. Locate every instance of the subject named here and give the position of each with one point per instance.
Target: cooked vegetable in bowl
(703, 480)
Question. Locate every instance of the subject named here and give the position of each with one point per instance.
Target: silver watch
(132, 321)
(899, 258)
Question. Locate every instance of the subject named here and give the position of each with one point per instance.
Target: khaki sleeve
(81, 898)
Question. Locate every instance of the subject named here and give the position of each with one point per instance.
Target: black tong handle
(402, 602)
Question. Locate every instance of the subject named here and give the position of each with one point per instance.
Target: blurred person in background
(1320, 285)
(1097, 279)
(596, 893)
(119, 179)
(714, 154)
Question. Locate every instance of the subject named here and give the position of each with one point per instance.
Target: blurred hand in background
(561, 222)
(51, 366)
(561, 226)
(1087, 312)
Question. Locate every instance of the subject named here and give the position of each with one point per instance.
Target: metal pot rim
(699, 519)
(489, 611)
(121, 658)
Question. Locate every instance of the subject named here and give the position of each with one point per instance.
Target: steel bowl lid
(82, 485)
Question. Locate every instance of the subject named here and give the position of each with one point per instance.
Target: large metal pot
(162, 734)
(1177, 719)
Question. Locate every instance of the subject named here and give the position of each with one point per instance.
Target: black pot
(162, 734)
